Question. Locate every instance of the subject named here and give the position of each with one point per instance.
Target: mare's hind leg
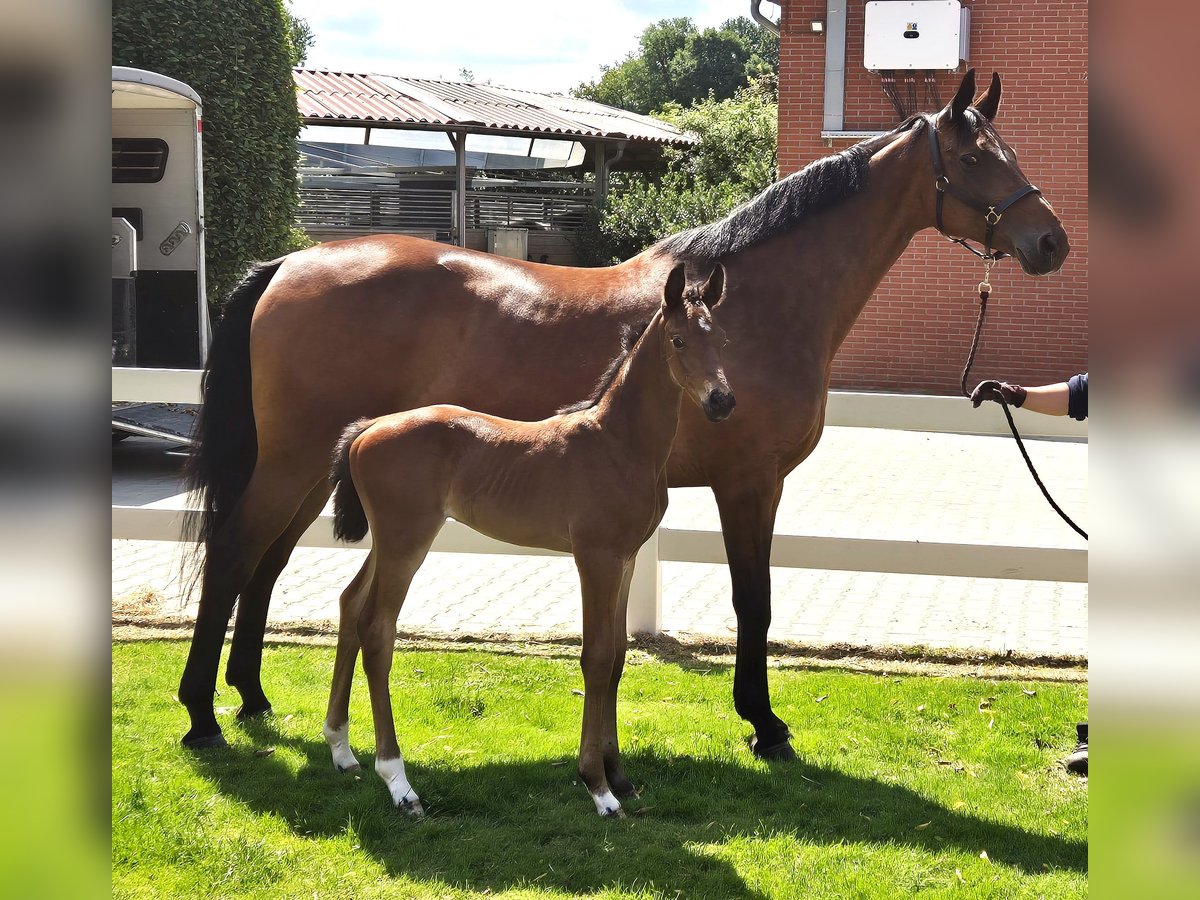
(244, 669)
(617, 779)
(268, 504)
(600, 576)
(337, 716)
(399, 550)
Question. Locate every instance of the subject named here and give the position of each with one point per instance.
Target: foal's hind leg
(617, 779)
(244, 669)
(398, 553)
(600, 577)
(337, 716)
(268, 504)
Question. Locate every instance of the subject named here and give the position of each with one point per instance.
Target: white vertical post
(645, 592)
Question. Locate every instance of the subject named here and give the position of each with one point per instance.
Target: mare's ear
(990, 102)
(714, 289)
(966, 92)
(673, 292)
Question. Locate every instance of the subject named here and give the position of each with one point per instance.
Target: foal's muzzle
(718, 405)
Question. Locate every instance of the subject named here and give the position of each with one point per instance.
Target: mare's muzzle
(718, 405)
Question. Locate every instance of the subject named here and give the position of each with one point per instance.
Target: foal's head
(694, 340)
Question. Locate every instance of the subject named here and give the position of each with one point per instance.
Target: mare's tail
(349, 517)
(226, 440)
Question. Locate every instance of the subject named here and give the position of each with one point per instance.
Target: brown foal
(591, 482)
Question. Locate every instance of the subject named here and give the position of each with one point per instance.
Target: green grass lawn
(905, 786)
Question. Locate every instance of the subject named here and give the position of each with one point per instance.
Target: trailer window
(138, 160)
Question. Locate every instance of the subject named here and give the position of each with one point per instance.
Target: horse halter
(992, 214)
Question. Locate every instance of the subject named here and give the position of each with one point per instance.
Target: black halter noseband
(991, 214)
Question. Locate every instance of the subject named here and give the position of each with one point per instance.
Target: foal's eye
(678, 342)
(970, 159)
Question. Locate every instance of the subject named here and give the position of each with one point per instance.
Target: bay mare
(590, 481)
(365, 327)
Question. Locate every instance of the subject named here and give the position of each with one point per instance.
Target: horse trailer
(160, 313)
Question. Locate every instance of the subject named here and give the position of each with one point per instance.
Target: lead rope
(985, 291)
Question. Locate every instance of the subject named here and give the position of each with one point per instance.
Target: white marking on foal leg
(607, 804)
(339, 744)
(403, 796)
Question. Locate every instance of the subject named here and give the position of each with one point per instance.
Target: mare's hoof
(778, 752)
(254, 714)
(208, 741)
(617, 813)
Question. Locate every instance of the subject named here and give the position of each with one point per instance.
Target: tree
(676, 63)
(300, 36)
(734, 160)
(238, 56)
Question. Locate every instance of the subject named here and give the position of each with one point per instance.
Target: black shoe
(1077, 762)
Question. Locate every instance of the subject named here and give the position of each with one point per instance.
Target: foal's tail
(226, 440)
(349, 517)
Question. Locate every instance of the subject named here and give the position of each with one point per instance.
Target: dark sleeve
(1077, 398)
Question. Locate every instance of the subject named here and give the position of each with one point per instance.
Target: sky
(541, 45)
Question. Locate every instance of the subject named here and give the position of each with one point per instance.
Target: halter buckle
(942, 183)
(992, 217)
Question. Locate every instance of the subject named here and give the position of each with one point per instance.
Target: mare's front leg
(337, 716)
(600, 576)
(748, 506)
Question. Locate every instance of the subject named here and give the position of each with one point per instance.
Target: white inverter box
(915, 34)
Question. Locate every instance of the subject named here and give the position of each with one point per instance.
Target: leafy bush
(734, 160)
(237, 55)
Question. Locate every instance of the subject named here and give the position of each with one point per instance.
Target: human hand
(997, 391)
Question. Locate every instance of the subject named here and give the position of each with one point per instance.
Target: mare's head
(981, 173)
(693, 340)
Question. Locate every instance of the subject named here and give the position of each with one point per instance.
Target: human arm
(1047, 399)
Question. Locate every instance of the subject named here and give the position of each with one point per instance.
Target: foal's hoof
(778, 752)
(622, 786)
(411, 806)
(348, 769)
(608, 806)
(208, 741)
(254, 714)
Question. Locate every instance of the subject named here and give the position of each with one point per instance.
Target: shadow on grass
(546, 832)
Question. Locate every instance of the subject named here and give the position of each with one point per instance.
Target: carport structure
(603, 137)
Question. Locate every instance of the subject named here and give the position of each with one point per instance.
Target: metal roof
(152, 84)
(331, 98)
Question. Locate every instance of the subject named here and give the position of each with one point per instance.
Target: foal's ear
(990, 102)
(714, 289)
(966, 93)
(673, 292)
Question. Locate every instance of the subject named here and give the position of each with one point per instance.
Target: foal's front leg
(600, 577)
(617, 779)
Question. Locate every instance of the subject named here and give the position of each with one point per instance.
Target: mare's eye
(970, 159)
(678, 342)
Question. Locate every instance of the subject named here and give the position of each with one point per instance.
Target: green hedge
(237, 55)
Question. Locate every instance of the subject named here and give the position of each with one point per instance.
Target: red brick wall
(915, 332)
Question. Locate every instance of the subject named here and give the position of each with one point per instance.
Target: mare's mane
(820, 185)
